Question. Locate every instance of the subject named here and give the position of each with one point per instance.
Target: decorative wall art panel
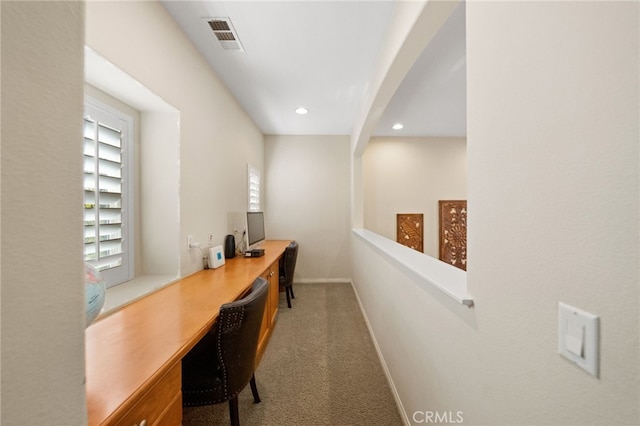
(453, 232)
(410, 230)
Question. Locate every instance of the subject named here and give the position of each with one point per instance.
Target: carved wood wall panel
(453, 232)
(410, 230)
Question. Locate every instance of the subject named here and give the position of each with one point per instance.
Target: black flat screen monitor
(255, 229)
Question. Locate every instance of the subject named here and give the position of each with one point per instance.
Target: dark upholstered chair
(287, 267)
(221, 364)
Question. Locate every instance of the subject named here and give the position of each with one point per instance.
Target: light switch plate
(579, 337)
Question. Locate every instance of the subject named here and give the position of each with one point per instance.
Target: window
(107, 192)
(253, 181)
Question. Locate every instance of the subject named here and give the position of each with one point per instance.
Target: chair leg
(286, 289)
(233, 412)
(254, 389)
(291, 288)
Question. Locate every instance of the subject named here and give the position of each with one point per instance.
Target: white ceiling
(321, 55)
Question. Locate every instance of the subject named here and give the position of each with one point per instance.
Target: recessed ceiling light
(397, 126)
(301, 110)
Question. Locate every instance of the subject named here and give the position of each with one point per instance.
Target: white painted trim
(387, 373)
(444, 277)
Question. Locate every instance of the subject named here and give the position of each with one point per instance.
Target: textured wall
(553, 183)
(553, 186)
(217, 139)
(42, 276)
(410, 175)
(307, 199)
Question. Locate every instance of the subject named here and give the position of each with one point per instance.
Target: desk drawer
(159, 403)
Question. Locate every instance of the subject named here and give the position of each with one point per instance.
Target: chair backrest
(237, 337)
(288, 263)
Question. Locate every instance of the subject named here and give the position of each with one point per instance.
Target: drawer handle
(142, 423)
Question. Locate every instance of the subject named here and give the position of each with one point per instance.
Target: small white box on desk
(216, 257)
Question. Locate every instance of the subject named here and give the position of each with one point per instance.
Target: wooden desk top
(127, 350)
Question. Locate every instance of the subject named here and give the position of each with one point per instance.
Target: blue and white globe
(94, 291)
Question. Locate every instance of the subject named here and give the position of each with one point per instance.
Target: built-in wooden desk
(133, 355)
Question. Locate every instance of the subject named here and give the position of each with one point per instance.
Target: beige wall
(217, 139)
(42, 277)
(307, 199)
(553, 187)
(42, 77)
(560, 176)
(410, 175)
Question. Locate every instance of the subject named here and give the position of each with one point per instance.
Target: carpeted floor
(320, 368)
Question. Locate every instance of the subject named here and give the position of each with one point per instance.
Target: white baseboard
(394, 391)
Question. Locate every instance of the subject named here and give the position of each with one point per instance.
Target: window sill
(135, 289)
(442, 276)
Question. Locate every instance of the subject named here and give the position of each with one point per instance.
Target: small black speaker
(229, 247)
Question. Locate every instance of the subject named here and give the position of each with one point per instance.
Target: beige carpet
(320, 368)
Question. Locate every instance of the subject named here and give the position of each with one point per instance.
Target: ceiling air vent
(225, 33)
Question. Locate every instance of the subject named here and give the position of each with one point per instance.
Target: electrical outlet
(210, 240)
(189, 241)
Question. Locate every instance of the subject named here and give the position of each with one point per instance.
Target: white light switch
(578, 337)
(575, 337)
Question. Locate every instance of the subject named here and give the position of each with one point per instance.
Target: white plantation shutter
(106, 191)
(253, 181)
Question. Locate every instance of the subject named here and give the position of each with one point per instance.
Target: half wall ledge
(442, 276)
